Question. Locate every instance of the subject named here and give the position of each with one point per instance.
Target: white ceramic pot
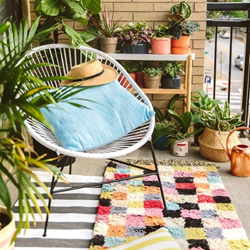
(180, 147)
(7, 232)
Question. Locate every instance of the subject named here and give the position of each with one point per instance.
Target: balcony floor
(237, 187)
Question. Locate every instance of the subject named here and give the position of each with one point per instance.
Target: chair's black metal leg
(52, 187)
(159, 180)
(53, 184)
(70, 168)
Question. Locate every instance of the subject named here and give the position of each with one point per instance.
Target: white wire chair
(66, 56)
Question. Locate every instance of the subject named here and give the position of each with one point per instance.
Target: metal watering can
(239, 157)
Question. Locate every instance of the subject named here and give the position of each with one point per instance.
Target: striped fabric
(158, 240)
(71, 220)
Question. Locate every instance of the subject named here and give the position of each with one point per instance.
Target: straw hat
(91, 73)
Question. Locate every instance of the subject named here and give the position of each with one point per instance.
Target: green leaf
(4, 27)
(74, 37)
(158, 114)
(50, 7)
(94, 6)
(5, 195)
(169, 141)
(187, 119)
(161, 132)
(77, 11)
(33, 29)
(176, 117)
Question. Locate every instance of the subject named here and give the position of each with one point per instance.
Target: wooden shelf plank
(151, 57)
(181, 91)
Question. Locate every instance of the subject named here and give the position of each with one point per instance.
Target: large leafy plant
(58, 12)
(21, 96)
(178, 24)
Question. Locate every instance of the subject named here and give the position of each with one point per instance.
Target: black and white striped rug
(71, 220)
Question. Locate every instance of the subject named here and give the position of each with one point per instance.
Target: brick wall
(154, 12)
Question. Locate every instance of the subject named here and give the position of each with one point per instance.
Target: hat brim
(109, 75)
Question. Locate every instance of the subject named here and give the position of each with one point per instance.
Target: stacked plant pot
(181, 46)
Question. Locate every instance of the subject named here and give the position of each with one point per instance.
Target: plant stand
(185, 87)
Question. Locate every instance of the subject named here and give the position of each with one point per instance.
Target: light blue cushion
(114, 113)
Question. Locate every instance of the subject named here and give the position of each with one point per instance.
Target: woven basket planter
(7, 232)
(210, 147)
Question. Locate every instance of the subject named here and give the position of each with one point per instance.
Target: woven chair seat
(66, 57)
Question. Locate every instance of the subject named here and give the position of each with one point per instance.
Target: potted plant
(131, 68)
(180, 28)
(170, 77)
(152, 77)
(163, 121)
(139, 65)
(135, 37)
(21, 96)
(178, 135)
(202, 102)
(160, 142)
(218, 119)
(107, 27)
(161, 40)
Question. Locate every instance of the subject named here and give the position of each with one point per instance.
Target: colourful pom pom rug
(200, 214)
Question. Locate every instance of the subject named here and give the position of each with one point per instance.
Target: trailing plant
(106, 25)
(135, 32)
(172, 68)
(156, 71)
(22, 94)
(178, 24)
(58, 12)
(219, 117)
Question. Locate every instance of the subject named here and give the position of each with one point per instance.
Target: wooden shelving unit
(185, 87)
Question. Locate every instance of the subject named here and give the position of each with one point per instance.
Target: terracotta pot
(124, 82)
(181, 51)
(161, 45)
(151, 82)
(8, 231)
(168, 82)
(108, 44)
(183, 41)
(180, 147)
(139, 79)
